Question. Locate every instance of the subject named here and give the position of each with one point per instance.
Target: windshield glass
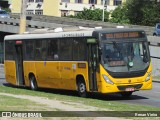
(125, 57)
(3, 12)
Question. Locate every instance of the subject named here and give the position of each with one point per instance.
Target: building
(63, 7)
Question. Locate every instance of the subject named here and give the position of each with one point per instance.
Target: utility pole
(22, 25)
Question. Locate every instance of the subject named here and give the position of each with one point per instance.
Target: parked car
(157, 30)
(4, 14)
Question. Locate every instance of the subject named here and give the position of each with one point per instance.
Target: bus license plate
(129, 89)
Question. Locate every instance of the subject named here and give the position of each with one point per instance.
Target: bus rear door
(19, 63)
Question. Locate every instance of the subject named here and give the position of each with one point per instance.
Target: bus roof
(75, 33)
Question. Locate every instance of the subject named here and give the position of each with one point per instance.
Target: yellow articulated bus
(106, 60)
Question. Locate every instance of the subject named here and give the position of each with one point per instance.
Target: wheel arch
(31, 74)
(79, 78)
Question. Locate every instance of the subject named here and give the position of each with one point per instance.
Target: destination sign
(123, 35)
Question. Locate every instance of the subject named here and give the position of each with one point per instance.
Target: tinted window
(9, 50)
(52, 50)
(3, 12)
(66, 49)
(79, 49)
(29, 50)
(40, 50)
(158, 26)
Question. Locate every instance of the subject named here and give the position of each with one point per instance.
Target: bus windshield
(125, 56)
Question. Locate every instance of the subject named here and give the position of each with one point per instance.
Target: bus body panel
(28, 67)
(124, 82)
(67, 79)
(69, 72)
(10, 72)
(53, 74)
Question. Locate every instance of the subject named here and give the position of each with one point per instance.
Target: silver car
(157, 30)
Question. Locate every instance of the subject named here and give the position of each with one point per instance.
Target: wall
(51, 8)
(16, 6)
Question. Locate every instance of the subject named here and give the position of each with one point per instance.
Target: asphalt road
(146, 97)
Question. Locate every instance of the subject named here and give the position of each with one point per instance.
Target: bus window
(40, 50)
(66, 49)
(9, 50)
(52, 50)
(79, 49)
(29, 50)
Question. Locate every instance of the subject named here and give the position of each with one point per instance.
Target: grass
(16, 104)
(156, 77)
(100, 101)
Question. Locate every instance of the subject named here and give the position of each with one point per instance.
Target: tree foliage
(143, 12)
(140, 12)
(119, 15)
(95, 14)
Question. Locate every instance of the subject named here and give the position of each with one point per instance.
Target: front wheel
(126, 94)
(82, 89)
(33, 83)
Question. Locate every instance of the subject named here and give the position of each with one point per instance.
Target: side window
(79, 49)
(52, 50)
(66, 49)
(29, 50)
(158, 27)
(40, 50)
(9, 50)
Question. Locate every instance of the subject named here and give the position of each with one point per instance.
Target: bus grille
(138, 86)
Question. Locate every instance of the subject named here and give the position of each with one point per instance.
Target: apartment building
(63, 7)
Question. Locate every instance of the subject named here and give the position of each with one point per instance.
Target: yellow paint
(10, 72)
(111, 2)
(22, 27)
(16, 6)
(51, 8)
(62, 75)
(108, 88)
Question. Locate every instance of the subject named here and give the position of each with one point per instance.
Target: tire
(126, 94)
(33, 83)
(82, 89)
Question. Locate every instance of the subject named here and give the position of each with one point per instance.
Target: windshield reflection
(123, 57)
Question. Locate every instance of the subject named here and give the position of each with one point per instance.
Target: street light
(22, 25)
(103, 11)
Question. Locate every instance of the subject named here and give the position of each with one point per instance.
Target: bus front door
(19, 65)
(92, 62)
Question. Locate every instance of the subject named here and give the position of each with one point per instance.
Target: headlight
(107, 80)
(148, 77)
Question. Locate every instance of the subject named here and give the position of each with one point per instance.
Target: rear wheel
(82, 89)
(126, 94)
(33, 83)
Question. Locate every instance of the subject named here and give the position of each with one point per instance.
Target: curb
(157, 81)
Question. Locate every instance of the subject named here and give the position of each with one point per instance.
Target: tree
(143, 12)
(119, 15)
(95, 14)
(150, 14)
(139, 12)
